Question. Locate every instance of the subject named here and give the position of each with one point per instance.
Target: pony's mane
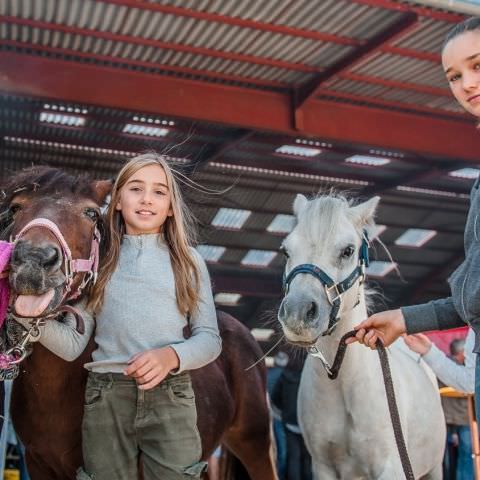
(46, 181)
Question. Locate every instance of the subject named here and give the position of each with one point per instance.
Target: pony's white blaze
(346, 422)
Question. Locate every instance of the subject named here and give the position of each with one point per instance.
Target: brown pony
(47, 399)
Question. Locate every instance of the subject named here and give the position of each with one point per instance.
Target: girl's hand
(386, 326)
(418, 342)
(149, 368)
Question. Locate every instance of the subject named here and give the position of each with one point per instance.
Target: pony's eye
(14, 208)
(348, 252)
(284, 251)
(92, 214)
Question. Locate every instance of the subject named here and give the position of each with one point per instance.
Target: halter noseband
(333, 290)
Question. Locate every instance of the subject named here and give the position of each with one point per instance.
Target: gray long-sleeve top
(464, 304)
(140, 313)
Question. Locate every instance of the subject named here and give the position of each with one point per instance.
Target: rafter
(305, 94)
(234, 106)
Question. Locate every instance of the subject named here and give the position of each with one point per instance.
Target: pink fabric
(443, 338)
(5, 254)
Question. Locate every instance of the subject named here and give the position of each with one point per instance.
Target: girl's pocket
(181, 392)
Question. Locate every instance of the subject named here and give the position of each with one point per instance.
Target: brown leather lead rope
(392, 403)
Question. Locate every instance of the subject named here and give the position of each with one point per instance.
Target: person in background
(284, 398)
(273, 374)
(457, 371)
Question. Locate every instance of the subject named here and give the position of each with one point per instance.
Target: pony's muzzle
(47, 257)
(35, 269)
(298, 312)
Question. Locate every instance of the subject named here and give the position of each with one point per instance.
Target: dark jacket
(284, 396)
(464, 304)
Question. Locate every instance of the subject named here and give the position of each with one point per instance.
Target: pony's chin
(300, 340)
(302, 344)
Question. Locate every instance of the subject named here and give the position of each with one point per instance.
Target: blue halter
(333, 290)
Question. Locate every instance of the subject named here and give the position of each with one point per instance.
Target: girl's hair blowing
(178, 231)
(468, 25)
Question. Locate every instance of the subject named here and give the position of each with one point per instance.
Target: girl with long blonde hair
(152, 288)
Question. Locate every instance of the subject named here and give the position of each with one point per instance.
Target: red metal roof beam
(311, 89)
(212, 75)
(414, 87)
(31, 75)
(377, 102)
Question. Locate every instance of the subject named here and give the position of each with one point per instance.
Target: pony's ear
(365, 212)
(102, 189)
(299, 204)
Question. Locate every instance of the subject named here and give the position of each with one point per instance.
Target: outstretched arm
(61, 337)
(460, 377)
(389, 325)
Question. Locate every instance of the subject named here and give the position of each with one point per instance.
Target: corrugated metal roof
(108, 32)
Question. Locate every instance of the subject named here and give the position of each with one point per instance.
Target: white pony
(346, 421)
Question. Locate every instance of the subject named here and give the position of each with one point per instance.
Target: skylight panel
(64, 108)
(368, 160)
(282, 223)
(379, 268)
(313, 143)
(226, 298)
(230, 218)
(298, 151)
(287, 174)
(432, 191)
(68, 146)
(62, 119)
(156, 121)
(262, 334)
(385, 153)
(211, 253)
(467, 173)
(258, 258)
(415, 237)
(145, 130)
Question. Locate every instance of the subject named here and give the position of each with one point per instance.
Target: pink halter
(71, 267)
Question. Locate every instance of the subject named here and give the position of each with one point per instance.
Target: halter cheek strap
(333, 290)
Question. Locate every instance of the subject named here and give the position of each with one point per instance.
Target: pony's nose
(46, 256)
(49, 257)
(303, 310)
(311, 312)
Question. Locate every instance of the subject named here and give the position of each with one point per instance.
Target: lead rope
(392, 403)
